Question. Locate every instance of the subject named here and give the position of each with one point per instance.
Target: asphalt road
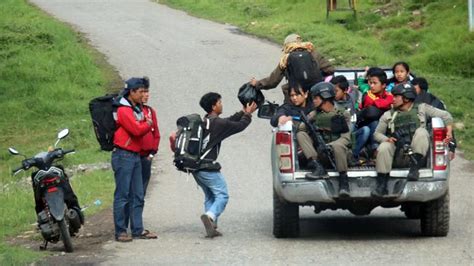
(187, 57)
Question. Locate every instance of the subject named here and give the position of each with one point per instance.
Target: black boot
(318, 170)
(414, 173)
(344, 191)
(381, 189)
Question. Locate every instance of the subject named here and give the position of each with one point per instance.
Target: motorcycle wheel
(65, 236)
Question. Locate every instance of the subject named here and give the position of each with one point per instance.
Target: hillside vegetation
(47, 77)
(431, 35)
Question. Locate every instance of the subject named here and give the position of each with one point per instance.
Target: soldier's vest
(324, 122)
(405, 123)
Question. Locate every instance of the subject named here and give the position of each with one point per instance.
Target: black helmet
(323, 89)
(406, 90)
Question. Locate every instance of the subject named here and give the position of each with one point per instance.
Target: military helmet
(406, 90)
(323, 89)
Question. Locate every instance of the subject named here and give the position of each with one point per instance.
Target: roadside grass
(431, 36)
(48, 74)
(17, 255)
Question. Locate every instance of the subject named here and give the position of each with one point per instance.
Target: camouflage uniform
(338, 142)
(393, 120)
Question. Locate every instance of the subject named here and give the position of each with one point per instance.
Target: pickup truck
(426, 199)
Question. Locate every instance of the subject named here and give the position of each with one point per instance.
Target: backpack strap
(207, 122)
(391, 122)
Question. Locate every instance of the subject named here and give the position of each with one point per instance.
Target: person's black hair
(370, 70)
(422, 82)
(296, 87)
(401, 63)
(341, 82)
(208, 100)
(379, 73)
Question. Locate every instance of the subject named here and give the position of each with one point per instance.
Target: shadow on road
(358, 228)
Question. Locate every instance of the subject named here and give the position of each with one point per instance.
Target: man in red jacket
(131, 126)
(151, 140)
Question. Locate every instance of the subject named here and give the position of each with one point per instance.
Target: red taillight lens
(440, 159)
(50, 181)
(285, 152)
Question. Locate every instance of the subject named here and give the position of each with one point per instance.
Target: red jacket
(131, 126)
(151, 140)
(383, 100)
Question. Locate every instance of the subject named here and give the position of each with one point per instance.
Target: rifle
(402, 144)
(321, 146)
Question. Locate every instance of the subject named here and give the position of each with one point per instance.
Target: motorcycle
(58, 218)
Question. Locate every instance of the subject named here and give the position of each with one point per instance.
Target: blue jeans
(128, 192)
(365, 135)
(215, 192)
(146, 172)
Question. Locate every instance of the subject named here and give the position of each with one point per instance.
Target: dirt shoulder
(98, 230)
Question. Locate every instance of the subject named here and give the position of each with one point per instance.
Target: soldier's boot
(414, 173)
(381, 189)
(318, 170)
(344, 191)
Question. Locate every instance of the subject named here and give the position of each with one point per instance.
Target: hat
(133, 83)
(291, 39)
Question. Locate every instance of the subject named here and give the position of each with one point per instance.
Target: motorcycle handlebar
(17, 169)
(68, 151)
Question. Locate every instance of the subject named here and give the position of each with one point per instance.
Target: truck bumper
(325, 190)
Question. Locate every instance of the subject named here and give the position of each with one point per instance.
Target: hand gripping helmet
(325, 90)
(406, 90)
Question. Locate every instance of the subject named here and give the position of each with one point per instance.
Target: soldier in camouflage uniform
(405, 123)
(334, 126)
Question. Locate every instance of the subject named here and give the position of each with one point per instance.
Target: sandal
(123, 237)
(146, 234)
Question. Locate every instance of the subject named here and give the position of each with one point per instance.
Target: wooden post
(331, 5)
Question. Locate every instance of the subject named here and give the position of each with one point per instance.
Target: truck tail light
(284, 146)
(440, 160)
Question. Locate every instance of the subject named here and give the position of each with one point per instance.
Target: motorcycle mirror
(63, 133)
(267, 110)
(13, 151)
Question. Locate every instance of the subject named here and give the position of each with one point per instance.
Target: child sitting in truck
(374, 103)
(344, 97)
(401, 75)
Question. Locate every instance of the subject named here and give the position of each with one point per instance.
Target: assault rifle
(402, 144)
(319, 143)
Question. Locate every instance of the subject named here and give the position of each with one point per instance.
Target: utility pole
(471, 14)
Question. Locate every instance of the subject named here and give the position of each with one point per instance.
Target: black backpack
(102, 109)
(303, 69)
(189, 152)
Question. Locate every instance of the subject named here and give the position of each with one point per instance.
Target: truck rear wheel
(435, 217)
(285, 218)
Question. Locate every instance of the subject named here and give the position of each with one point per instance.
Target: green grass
(17, 255)
(431, 35)
(48, 74)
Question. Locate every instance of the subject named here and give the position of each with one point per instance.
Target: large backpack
(303, 69)
(189, 143)
(102, 109)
